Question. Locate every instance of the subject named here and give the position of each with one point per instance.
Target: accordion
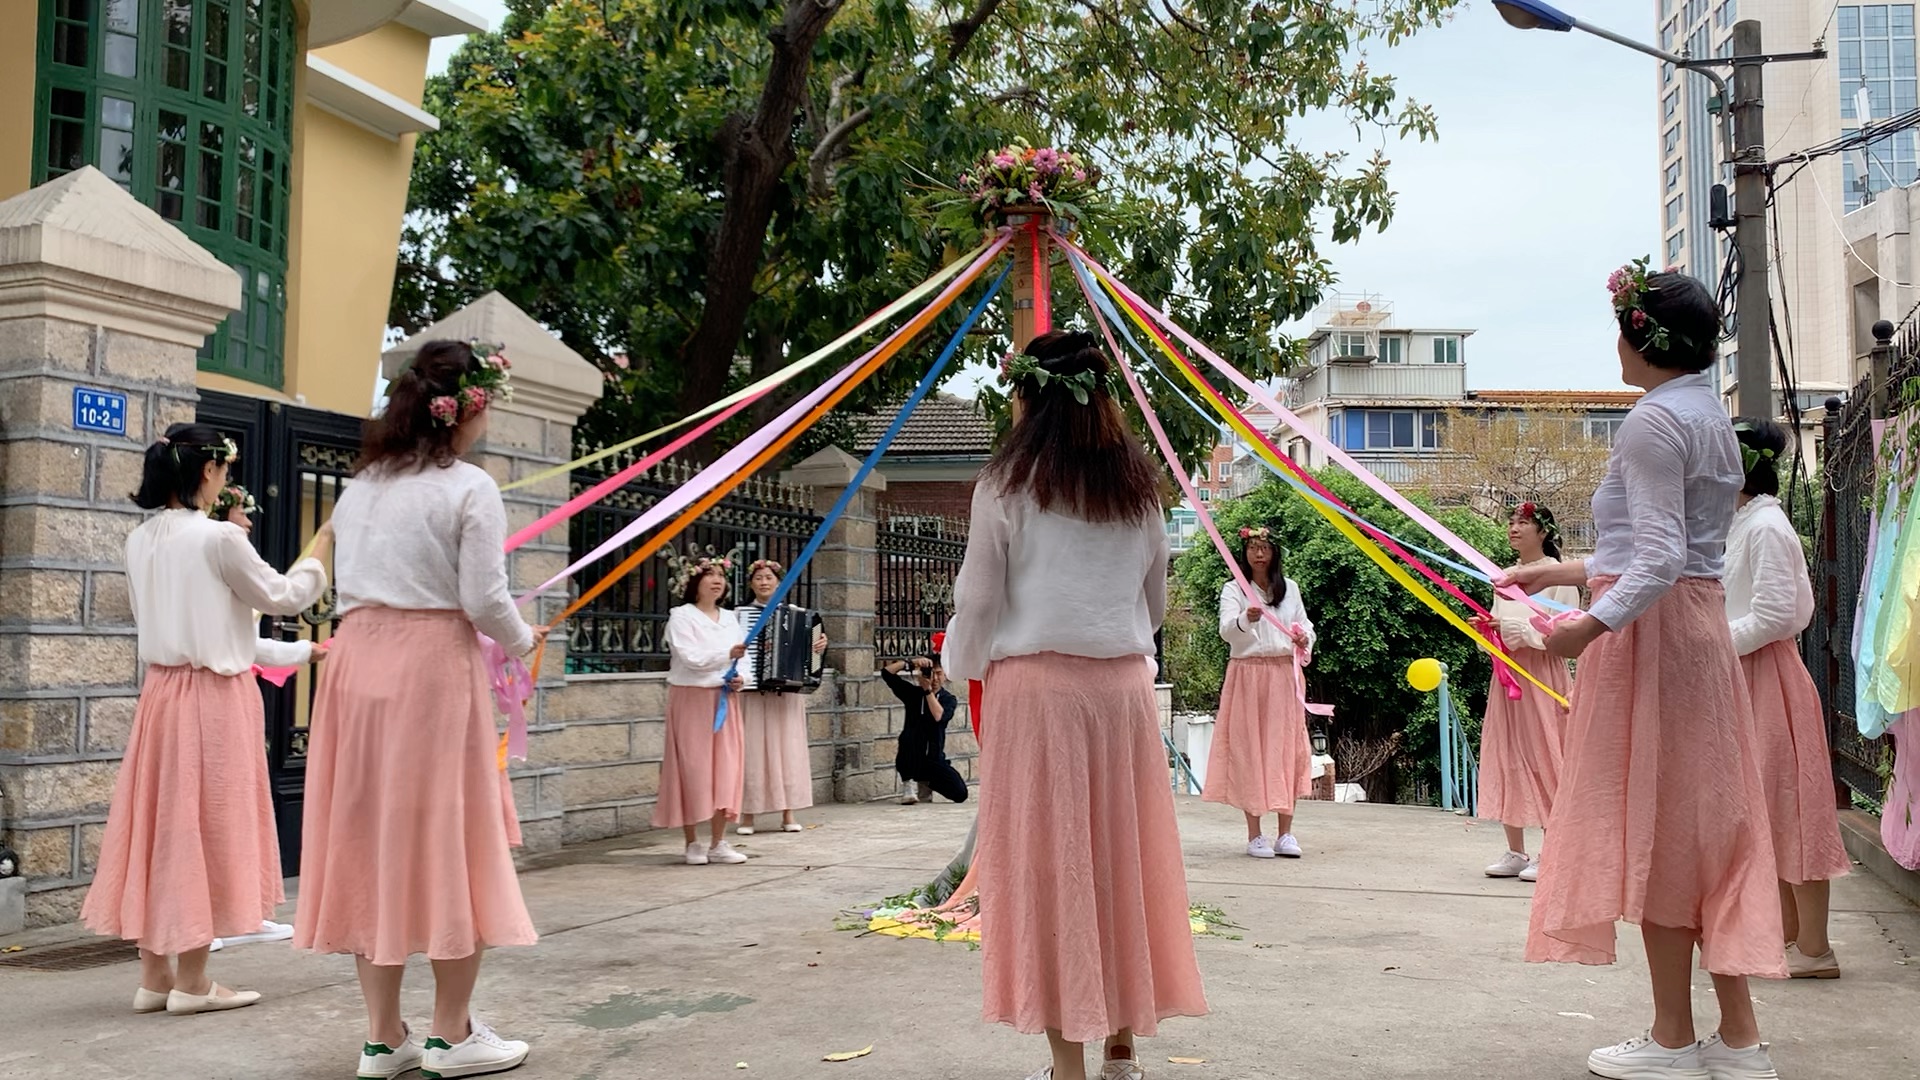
(782, 660)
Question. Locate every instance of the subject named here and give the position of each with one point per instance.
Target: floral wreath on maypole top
(479, 388)
(1629, 288)
(1019, 177)
(231, 496)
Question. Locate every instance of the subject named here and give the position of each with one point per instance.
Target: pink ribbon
(1300, 427)
(1501, 672)
(512, 686)
(1301, 658)
(278, 676)
(734, 460)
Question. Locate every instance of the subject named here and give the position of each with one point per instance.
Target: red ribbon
(278, 676)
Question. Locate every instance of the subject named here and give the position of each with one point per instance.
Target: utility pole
(1752, 305)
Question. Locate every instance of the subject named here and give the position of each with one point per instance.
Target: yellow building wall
(19, 41)
(393, 58)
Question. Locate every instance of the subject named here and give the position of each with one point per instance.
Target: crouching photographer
(921, 760)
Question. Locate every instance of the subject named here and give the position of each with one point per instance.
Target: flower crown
(1018, 368)
(1751, 456)
(1540, 516)
(696, 562)
(1261, 533)
(758, 565)
(478, 390)
(1629, 288)
(231, 496)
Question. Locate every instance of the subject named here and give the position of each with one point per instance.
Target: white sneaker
(911, 799)
(1122, 1069)
(482, 1052)
(378, 1061)
(723, 852)
(1532, 872)
(1641, 1058)
(269, 931)
(1287, 847)
(696, 854)
(1723, 1062)
(1260, 847)
(743, 830)
(1512, 864)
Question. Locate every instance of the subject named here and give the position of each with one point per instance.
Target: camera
(923, 668)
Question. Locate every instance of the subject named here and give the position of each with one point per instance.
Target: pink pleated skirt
(1795, 769)
(405, 845)
(701, 773)
(1083, 894)
(1261, 760)
(1660, 817)
(1521, 744)
(190, 853)
(778, 767)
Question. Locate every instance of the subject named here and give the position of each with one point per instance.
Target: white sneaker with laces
(696, 854)
(1287, 847)
(1641, 1058)
(1532, 872)
(723, 852)
(1723, 1062)
(1510, 865)
(479, 1053)
(378, 1061)
(1260, 847)
(1122, 1069)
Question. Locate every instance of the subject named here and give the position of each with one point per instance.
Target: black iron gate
(295, 461)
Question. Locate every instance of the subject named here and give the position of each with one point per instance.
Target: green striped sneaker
(480, 1053)
(378, 1061)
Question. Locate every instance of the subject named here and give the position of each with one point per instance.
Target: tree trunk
(759, 150)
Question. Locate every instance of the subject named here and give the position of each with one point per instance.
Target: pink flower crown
(231, 496)
(1629, 288)
(479, 388)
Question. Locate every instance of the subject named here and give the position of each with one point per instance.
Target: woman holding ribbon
(190, 852)
(1262, 759)
(406, 836)
(1769, 601)
(1083, 894)
(1522, 734)
(779, 769)
(1661, 819)
(701, 774)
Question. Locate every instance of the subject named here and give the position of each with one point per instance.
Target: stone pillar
(552, 386)
(845, 580)
(97, 293)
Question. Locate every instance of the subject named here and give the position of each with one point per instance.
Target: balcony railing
(1372, 379)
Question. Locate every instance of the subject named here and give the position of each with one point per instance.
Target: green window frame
(188, 105)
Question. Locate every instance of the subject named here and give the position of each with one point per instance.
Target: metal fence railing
(918, 556)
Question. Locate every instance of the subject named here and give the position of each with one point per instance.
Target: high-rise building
(1869, 74)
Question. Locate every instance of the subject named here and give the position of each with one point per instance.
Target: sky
(1543, 180)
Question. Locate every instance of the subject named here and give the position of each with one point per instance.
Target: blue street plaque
(99, 410)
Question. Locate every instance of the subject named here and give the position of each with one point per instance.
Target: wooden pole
(1032, 277)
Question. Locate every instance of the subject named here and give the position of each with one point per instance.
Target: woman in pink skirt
(1261, 759)
(190, 852)
(1660, 819)
(1520, 738)
(405, 848)
(779, 768)
(1769, 601)
(1083, 896)
(702, 772)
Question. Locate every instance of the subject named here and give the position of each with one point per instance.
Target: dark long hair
(1764, 443)
(1276, 574)
(405, 436)
(1074, 459)
(1686, 310)
(176, 465)
(1542, 519)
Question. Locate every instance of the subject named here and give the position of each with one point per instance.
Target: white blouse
(1769, 596)
(1516, 619)
(699, 648)
(1034, 581)
(1663, 511)
(195, 584)
(429, 540)
(1247, 638)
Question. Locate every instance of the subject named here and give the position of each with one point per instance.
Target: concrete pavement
(1383, 954)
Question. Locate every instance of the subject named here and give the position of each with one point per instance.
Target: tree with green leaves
(691, 192)
(1369, 627)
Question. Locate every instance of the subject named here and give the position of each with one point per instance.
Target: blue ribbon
(1113, 316)
(927, 383)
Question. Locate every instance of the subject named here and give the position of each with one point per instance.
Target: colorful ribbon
(278, 676)
(512, 685)
(906, 300)
(880, 447)
(1301, 658)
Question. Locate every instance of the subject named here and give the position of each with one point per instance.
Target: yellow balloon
(1424, 674)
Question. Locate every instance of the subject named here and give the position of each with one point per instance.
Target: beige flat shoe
(179, 1004)
(1802, 966)
(149, 1001)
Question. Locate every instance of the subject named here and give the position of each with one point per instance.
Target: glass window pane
(1904, 96)
(1379, 430)
(212, 162)
(1403, 430)
(213, 32)
(70, 44)
(66, 131)
(1902, 20)
(1882, 98)
(1875, 62)
(1849, 60)
(1849, 21)
(116, 112)
(170, 167)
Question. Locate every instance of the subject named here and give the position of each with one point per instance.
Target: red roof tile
(941, 425)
